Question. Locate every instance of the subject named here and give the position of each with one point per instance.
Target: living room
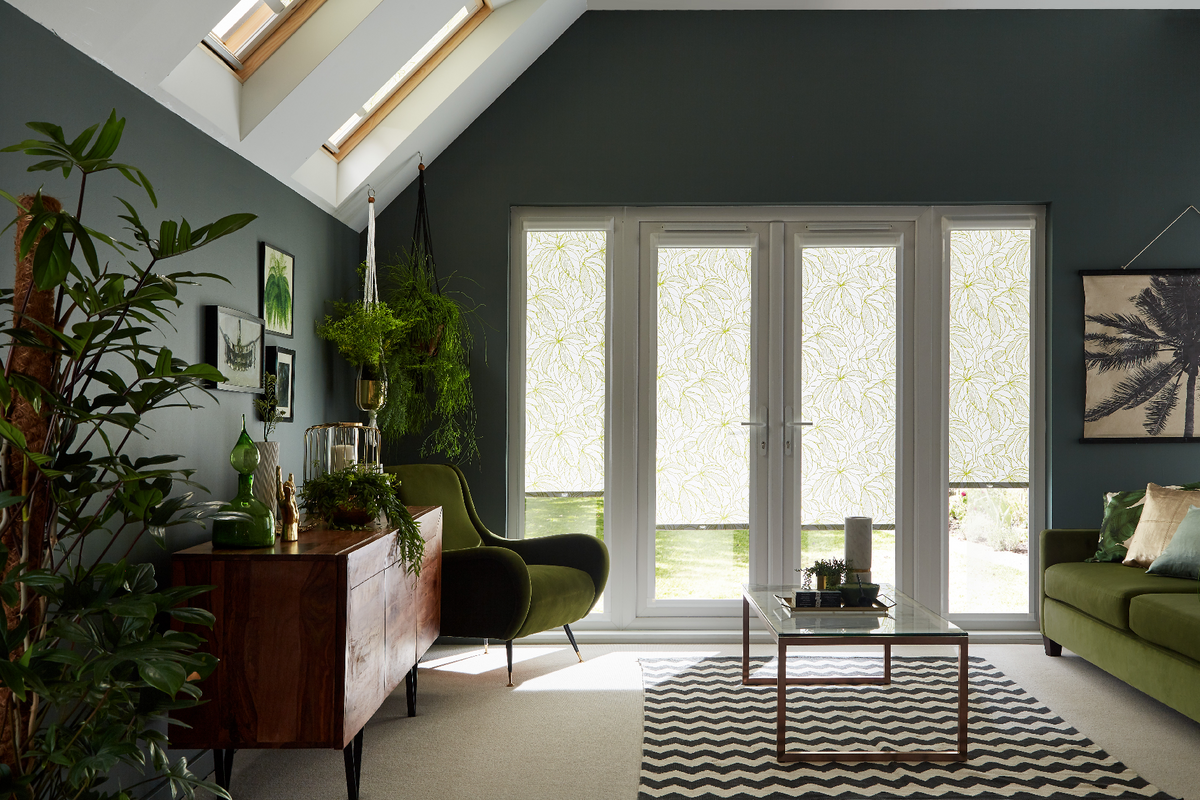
(710, 120)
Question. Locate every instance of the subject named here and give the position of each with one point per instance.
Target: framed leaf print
(233, 343)
(1141, 350)
(281, 363)
(276, 289)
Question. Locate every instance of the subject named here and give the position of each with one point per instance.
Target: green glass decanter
(257, 527)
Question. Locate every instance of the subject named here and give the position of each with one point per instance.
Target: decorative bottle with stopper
(244, 521)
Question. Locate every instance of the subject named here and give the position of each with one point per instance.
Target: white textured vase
(264, 475)
(858, 549)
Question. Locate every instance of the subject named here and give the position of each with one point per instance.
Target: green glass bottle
(257, 527)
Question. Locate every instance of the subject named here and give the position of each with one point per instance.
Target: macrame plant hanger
(422, 242)
(422, 249)
(370, 391)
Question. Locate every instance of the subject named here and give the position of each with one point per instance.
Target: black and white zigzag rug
(708, 736)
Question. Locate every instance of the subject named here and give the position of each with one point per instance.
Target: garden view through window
(564, 383)
(990, 283)
(702, 366)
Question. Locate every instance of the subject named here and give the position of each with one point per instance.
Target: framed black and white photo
(281, 363)
(1141, 352)
(233, 343)
(276, 289)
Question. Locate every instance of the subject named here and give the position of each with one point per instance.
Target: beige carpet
(570, 730)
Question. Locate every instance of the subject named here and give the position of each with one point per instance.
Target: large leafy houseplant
(89, 665)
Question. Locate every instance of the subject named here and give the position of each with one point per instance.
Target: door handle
(788, 426)
(761, 434)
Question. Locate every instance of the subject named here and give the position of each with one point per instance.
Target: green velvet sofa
(1143, 629)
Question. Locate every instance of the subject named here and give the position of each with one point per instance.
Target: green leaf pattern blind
(703, 387)
(989, 356)
(848, 385)
(564, 361)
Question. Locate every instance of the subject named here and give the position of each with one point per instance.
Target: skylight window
(249, 26)
(406, 77)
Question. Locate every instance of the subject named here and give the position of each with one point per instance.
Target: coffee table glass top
(906, 618)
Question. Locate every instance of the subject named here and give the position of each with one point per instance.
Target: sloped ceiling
(281, 115)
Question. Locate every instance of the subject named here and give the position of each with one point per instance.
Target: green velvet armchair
(497, 588)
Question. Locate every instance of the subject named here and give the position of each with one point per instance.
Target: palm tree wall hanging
(1142, 354)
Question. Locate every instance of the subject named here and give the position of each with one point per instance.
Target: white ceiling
(283, 113)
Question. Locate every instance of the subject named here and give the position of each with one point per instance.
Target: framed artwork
(276, 289)
(233, 343)
(281, 363)
(1141, 351)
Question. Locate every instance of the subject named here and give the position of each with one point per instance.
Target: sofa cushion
(1103, 591)
(1181, 559)
(1163, 511)
(1168, 620)
(1122, 511)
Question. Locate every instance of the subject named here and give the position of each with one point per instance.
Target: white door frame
(922, 447)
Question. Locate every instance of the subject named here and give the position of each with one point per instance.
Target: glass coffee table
(906, 622)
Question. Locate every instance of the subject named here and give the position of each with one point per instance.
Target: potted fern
(429, 391)
(355, 497)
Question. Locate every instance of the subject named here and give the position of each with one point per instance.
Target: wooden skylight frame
(298, 13)
(405, 88)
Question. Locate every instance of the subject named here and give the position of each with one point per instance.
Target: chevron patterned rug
(708, 736)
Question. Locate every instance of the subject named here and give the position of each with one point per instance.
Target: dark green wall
(198, 178)
(1096, 114)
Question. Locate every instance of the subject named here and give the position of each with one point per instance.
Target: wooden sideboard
(312, 636)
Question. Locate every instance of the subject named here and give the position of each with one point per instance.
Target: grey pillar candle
(858, 549)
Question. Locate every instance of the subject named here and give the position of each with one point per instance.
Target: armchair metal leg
(571, 636)
(508, 649)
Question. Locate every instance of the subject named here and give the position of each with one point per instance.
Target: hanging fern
(277, 298)
(363, 336)
(429, 375)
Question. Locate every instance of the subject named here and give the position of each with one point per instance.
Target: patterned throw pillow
(1122, 511)
(1162, 512)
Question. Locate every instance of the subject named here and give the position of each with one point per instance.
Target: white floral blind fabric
(564, 361)
(989, 356)
(848, 384)
(703, 387)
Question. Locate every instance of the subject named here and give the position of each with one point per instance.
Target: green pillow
(1122, 510)
(1181, 559)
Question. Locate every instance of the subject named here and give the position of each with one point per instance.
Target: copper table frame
(782, 681)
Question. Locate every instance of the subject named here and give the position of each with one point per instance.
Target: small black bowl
(859, 595)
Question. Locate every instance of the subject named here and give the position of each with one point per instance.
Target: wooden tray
(873, 610)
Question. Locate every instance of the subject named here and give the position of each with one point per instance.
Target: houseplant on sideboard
(355, 496)
(88, 670)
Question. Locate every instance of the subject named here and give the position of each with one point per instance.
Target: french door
(713, 391)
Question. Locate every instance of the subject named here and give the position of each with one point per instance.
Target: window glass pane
(848, 393)
(702, 471)
(989, 421)
(564, 383)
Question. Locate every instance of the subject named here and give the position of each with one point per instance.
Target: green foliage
(91, 660)
(429, 376)
(268, 406)
(277, 298)
(363, 335)
(363, 488)
(834, 571)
